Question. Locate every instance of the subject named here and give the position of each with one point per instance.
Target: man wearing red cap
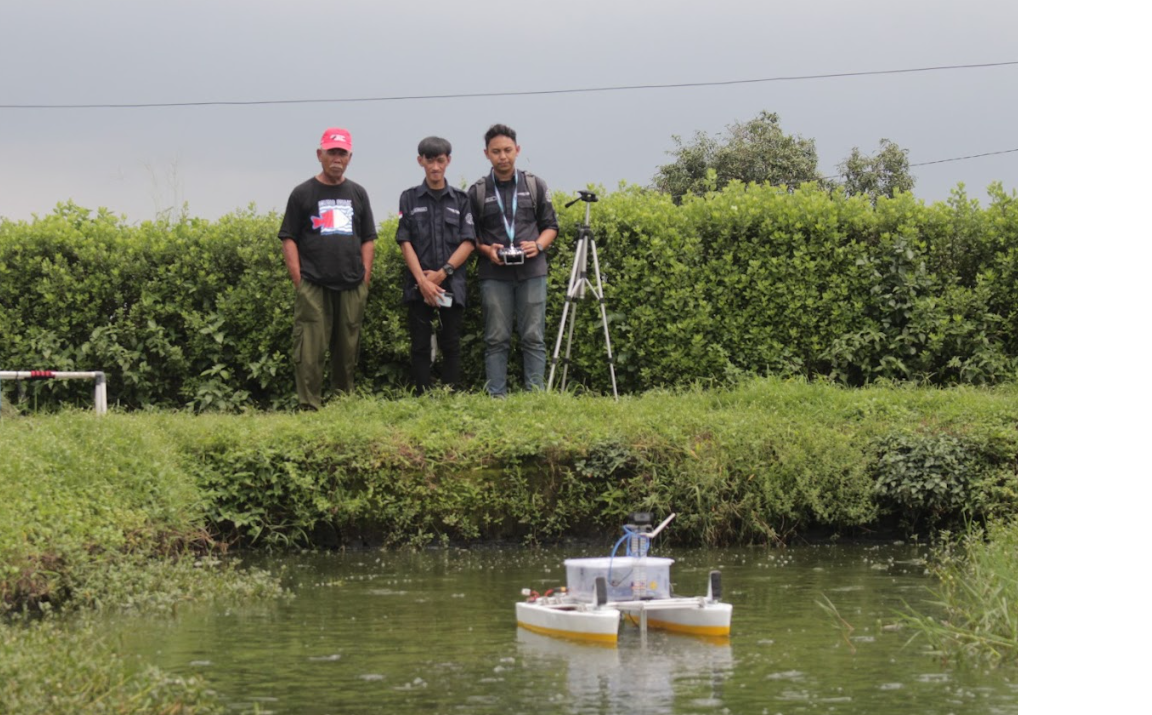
(327, 237)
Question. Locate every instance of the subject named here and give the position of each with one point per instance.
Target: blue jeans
(522, 302)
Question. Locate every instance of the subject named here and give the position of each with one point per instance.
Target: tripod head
(588, 198)
(584, 196)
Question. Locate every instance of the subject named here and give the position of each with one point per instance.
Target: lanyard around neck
(509, 226)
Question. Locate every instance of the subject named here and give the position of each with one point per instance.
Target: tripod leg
(559, 341)
(580, 267)
(599, 293)
(568, 351)
(581, 262)
(569, 302)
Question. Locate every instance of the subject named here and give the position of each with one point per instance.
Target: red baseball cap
(336, 138)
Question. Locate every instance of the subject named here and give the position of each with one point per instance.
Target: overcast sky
(219, 158)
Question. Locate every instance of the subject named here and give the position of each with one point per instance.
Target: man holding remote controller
(517, 223)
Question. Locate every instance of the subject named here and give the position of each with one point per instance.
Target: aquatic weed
(54, 666)
(978, 575)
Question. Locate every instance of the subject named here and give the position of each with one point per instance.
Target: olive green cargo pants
(326, 320)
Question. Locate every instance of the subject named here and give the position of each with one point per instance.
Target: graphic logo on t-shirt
(335, 217)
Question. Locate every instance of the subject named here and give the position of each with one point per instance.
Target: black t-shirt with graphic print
(329, 224)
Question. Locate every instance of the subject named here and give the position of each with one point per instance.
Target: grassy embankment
(759, 463)
(86, 502)
(95, 518)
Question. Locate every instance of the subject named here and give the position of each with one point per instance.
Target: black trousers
(421, 327)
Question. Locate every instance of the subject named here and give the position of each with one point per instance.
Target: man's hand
(490, 251)
(430, 289)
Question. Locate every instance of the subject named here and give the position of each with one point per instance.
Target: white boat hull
(572, 620)
(694, 618)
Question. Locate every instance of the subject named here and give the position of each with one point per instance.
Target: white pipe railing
(100, 395)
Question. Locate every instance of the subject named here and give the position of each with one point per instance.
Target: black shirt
(329, 224)
(435, 223)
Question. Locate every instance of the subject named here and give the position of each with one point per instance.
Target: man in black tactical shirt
(327, 238)
(436, 235)
(512, 209)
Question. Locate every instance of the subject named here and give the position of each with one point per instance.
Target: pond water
(435, 632)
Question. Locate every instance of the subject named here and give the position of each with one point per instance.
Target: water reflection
(632, 677)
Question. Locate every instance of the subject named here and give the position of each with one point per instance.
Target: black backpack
(481, 186)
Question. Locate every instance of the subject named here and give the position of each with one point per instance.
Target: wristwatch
(448, 269)
(539, 248)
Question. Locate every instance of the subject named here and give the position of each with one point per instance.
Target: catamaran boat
(636, 587)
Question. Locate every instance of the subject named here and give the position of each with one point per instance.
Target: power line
(474, 95)
(921, 163)
(962, 158)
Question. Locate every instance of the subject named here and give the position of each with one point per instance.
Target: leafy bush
(934, 477)
(922, 475)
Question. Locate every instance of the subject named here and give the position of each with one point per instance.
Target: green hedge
(751, 280)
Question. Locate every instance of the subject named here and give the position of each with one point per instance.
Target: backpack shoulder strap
(481, 189)
(533, 191)
(481, 186)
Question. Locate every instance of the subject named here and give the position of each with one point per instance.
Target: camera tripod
(578, 285)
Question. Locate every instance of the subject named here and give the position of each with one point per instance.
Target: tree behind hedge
(756, 151)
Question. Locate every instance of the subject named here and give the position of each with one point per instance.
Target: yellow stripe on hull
(609, 638)
(680, 627)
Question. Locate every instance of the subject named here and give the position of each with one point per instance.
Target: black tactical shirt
(435, 222)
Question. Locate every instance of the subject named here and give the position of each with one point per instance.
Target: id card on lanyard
(509, 226)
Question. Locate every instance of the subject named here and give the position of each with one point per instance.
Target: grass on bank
(95, 516)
